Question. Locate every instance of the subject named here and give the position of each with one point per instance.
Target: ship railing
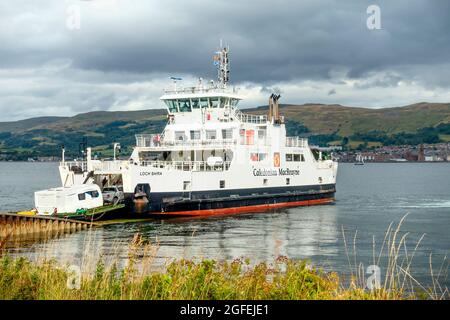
(325, 164)
(75, 166)
(198, 89)
(250, 118)
(108, 166)
(296, 142)
(186, 165)
(154, 140)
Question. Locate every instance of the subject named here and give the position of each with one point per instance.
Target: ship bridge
(198, 105)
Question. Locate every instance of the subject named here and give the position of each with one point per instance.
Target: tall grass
(397, 269)
(183, 279)
(284, 278)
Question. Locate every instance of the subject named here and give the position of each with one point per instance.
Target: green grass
(445, 137)
(286, 279)
(202, 279)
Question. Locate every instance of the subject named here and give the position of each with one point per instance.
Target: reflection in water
(296, 233)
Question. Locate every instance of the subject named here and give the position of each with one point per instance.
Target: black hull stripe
(219, 199)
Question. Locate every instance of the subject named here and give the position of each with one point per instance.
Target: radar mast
(222, 62)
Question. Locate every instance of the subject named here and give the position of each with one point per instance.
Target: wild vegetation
(209, 279)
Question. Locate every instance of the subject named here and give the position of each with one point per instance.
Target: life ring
(276, 159)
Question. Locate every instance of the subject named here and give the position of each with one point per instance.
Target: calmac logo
(274, 172)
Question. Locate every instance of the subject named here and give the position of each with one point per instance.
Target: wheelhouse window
(211, 134)
(203, 102)
(184, 105)
(234, 102)
(195, 103)
(224, 102)
(172, 105)
(213, 102)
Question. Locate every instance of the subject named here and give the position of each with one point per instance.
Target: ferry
(212, 158)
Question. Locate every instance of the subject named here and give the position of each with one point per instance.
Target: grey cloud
(270, 42)
(122, 44)
(379, 80)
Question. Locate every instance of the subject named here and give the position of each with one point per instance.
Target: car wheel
(115, 200)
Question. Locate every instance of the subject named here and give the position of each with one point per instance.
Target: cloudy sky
(120, 54)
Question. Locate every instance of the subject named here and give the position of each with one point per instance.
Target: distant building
(330, 148)
(421, 155)
(48, 159)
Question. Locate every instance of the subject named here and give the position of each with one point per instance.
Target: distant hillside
(364, 127)
(323, 124)
(345, 121)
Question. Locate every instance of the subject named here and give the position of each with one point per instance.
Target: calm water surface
(369, 198)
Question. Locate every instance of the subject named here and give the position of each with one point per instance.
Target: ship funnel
(274, 111)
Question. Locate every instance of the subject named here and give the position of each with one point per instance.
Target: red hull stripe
(247, 209)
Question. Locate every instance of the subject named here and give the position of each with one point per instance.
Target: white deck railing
(108, 166)
(186, 165)
(76, 166)
(198, 89)
(250, 118)
(296, 142)
(97, 165)
(154, 140)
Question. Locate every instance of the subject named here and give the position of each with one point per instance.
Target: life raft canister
(276, 159)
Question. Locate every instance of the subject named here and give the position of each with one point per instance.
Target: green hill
(323, 124)
(345, 121)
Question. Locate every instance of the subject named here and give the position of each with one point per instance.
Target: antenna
(222, 62)
(175, 79)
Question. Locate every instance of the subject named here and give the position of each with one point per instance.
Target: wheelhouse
(189, 104)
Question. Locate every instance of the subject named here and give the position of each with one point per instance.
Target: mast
(223, 65)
